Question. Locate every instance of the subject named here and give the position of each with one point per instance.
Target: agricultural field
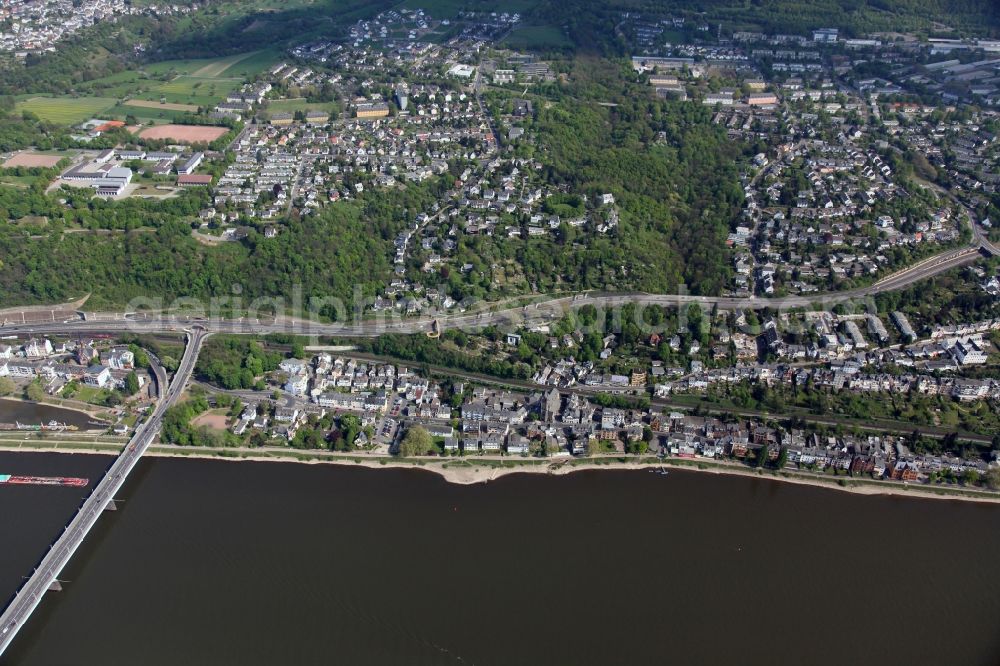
(239, 66)
(163, 106)
(158, 92)
(121, 85)
(188, 89)
(183, 85)
(19, 182)
(65, 110)
(147, 115)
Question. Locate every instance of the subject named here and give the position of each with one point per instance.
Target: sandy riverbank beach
(467, 471)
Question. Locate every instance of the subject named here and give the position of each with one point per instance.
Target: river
(34, 413)
(213, 562)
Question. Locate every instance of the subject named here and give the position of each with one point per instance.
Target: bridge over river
(45, 574)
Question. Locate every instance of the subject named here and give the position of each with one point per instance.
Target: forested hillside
(673, 174)
(326, 254)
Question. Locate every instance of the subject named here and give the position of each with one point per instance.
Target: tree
(970, 477)
(34, 391)
(417, 442)
(131, 383)
(141, 357)
(761, 456)
(6, 386)
(638, 447)
(350, 426)
(993, 478)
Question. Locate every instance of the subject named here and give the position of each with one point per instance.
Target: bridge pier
(55, 586)
(111, 506)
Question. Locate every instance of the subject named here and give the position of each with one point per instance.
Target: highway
(45, 574)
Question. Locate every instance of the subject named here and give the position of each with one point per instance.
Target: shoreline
(90, 414)
(464, 471)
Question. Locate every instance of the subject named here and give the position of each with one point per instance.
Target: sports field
(28, 159)
(537, 37)
(184, 133)
(65, 110)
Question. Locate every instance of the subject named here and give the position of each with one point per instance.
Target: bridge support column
(111, 506)
(55, 586)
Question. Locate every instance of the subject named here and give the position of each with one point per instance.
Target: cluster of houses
(502, 198)
(57, 365)
(849, 375)
(964, 149)
(835, 352)
(821, 206)
(381, 395)
(881, 457)
(391, 399)
(416, 24)
(840, 226)
(556, 424)
(928, 67)
(959, 79)
(324, 162)
(240, 103)
(844, 357)
(262, 164)
(32, 26)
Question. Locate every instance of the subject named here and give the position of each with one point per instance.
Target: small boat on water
(53, 425)
(73, 482)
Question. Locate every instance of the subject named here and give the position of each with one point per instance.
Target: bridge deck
(30, 594)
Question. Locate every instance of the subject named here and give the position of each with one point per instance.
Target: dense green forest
(235, 362)
(674, 176)
(326, 254)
